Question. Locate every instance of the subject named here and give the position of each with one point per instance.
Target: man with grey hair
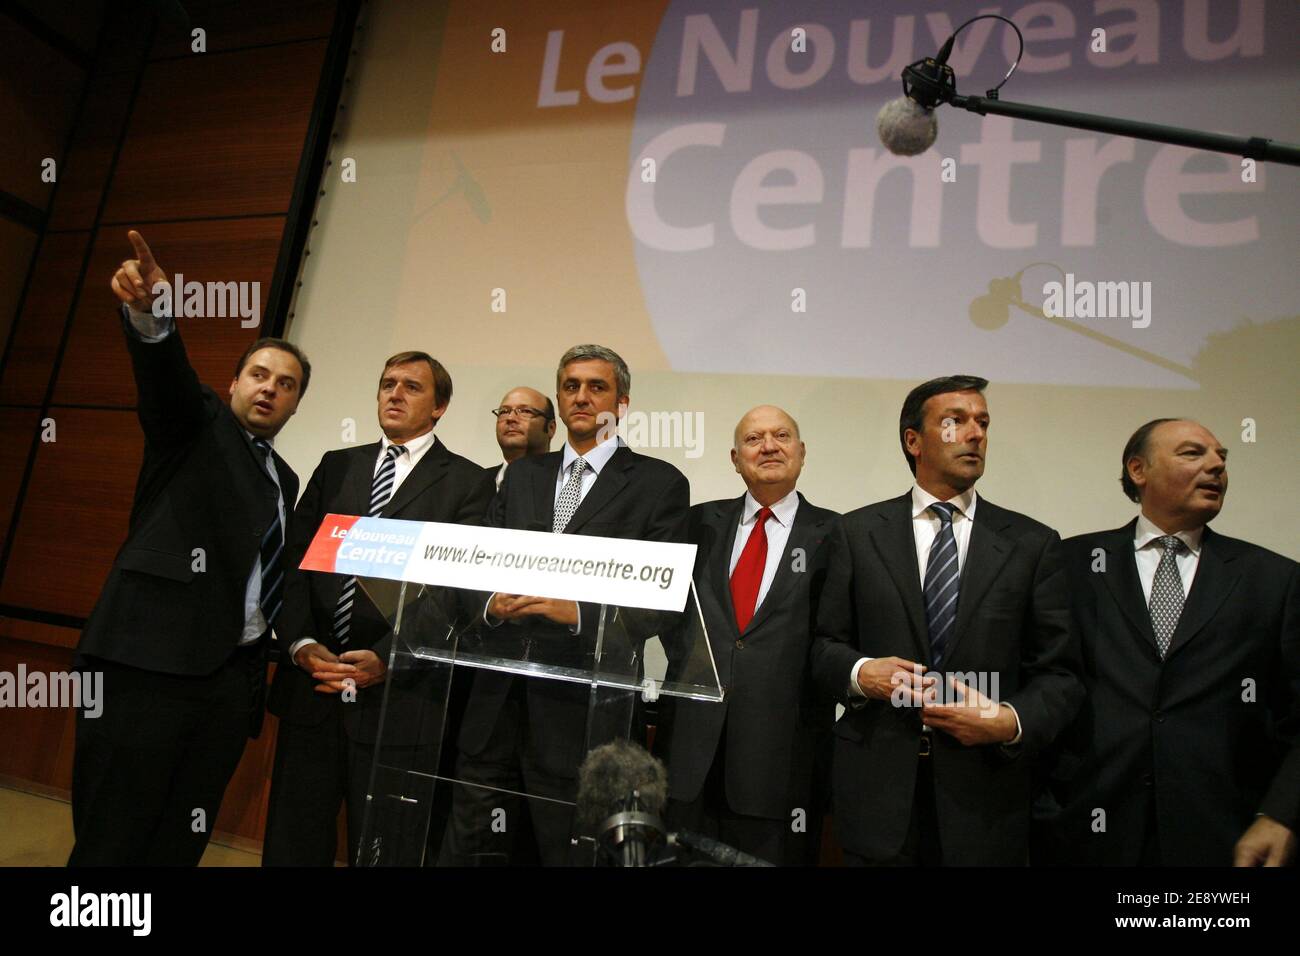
(528, 734)
(1186, 751)
(751, 770)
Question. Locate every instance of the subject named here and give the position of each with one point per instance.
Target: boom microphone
(717, 853)
(907, 125)
(622, 791)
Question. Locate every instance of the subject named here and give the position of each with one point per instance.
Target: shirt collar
(964, 503)
(782, 510)
(596, 459)
(415, 447)
(1147, 531)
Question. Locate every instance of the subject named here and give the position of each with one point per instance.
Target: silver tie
(570, 496)
(1167, 593)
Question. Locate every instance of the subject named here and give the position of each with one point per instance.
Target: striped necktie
(381, 492)
(942, 575)
(1166, 605)
(271, 552)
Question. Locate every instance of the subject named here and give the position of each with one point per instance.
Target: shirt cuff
(488, 619)
(149, 327)
(298, 645)
(1019, 732)
(854, 689)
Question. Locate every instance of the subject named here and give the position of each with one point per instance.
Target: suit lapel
(725, 525)
(544, 489)
(986, 553)
(1121, 577)
(360, 477)
(432, 468)
(1215, 578)
(611, 480)
(897, 546)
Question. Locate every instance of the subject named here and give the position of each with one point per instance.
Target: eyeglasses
(523, 411)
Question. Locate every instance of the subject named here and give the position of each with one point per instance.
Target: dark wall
(204, 153)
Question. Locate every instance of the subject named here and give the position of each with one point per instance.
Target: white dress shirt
(154, 328)
(500, 476)
(778, 533)
(403, 465)
(925, 528)
(596, 459)
(1147, 553)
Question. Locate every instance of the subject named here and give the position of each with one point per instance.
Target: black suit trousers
(152, 768)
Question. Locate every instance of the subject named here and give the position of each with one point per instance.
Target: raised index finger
(141, 249)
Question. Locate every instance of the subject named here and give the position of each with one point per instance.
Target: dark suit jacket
(202, 485)
(442, 487)
(777, 723)
(634, 496)
(1210, 733)
(1013, 620)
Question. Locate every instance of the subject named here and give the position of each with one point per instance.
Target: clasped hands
(512, 607)
(968, 716)
(338, 672)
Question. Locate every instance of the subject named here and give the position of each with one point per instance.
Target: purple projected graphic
(778, 236)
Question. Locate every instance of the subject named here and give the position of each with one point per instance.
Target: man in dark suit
(181, 627)
(928, 593)
(748, 771)
(525, 426)
(1185, 752)
(529, 733)
(330, 631)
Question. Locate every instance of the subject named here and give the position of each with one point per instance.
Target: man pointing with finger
(181, 627)
(926, 593)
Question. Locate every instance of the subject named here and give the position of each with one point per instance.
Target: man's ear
(912, 438)
(1137, 471)
(550, 428)
(623, 401)
(735, 461)
(233, 383)
(441, 410)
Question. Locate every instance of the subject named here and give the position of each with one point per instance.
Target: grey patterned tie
(942, 576)
(381, 490)
(1167, 593)
(570, 496)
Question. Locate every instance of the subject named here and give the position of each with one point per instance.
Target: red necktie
(748, 576)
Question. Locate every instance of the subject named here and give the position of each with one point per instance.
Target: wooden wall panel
(35, 344)
(74, 517)
(17, 243)
(85, 172)
(96, 369)
(37, 743)
(228, 25)
(17, 431)
(217, 135)
(39, 91)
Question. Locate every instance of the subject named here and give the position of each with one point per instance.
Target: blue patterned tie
(942, 576)
(381, 491)
(271, 552)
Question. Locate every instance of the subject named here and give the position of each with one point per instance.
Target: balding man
(525, 426)
(1185, 751)
(747, 771)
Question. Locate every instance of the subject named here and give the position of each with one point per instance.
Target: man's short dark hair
(441, 377)
(550, 410)
(284, 345)
(1138, 446)
(912, 415)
